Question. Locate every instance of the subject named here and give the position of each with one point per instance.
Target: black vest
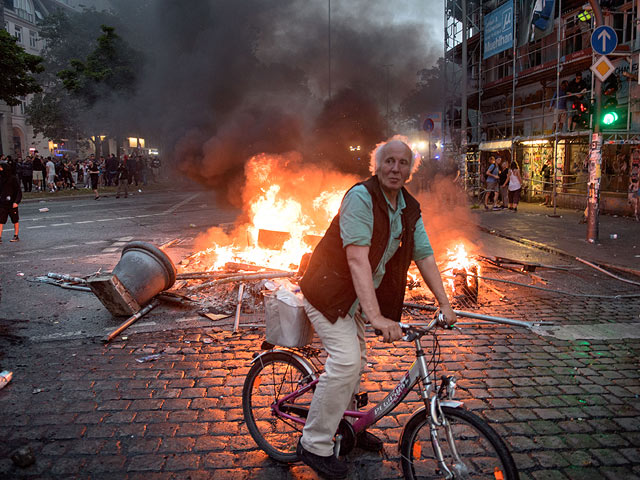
(327, 282)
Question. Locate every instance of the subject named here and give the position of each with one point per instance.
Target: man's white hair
(377, 155)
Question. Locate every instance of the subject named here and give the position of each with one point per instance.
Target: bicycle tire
(279, 374)
(483, 452)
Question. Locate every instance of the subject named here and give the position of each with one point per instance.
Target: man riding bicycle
(359, 269)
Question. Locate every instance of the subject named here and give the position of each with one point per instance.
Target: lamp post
(329, 44)
(387, 66)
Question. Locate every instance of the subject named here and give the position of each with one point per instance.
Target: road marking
(85, 221)
(56, 336)
(598, 331)
(95, 242)
(63, 247)
(178, 205)
(125, 239)
(37, 226)
(55, 258)
(124, 218)
(147, 215)
(110, 249)
(118, 244)
(59, 224)
(105, 220)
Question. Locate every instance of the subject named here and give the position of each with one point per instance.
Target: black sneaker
(329, 467)
(369, 442)
(15, 239)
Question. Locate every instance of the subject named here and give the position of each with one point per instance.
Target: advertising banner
(498, 30)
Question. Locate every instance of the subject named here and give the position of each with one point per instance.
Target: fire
(459, 259)
(287, 205)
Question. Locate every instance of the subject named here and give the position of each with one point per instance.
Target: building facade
(20, 19)
(505, 65)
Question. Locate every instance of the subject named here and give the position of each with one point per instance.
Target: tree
(107, 77)
(428, 96)
(108, 69)
(17, 67)
(54, 113)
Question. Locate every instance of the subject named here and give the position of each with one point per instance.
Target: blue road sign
(428, 125)
(604, 40)
(498, 30)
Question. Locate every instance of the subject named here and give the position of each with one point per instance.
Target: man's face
(395, 168)
(578, 78)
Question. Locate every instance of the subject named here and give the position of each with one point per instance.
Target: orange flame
(459, 259)
(280, 195)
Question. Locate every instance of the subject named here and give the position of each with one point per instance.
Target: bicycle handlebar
(412, 332)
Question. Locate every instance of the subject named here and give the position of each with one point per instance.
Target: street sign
(602, 68)
(428, 125)
(604, 40)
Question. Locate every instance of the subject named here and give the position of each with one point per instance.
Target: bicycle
(440, 440)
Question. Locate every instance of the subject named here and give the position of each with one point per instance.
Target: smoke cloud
(225, 80)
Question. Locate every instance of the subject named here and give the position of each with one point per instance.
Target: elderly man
(359, 269)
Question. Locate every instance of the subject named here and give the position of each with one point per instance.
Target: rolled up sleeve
(421, 244)
(356, 217)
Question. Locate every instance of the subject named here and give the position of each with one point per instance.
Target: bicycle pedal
(362, 399)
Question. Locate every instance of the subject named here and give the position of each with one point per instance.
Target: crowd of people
(51, 174)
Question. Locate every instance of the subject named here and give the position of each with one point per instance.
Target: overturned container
(142, 272)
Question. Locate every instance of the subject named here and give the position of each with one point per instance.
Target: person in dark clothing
(10, 197)
(358, 271)
(38, 168)
(94, 173)
(576, 90)
(546, 173)
(26, 173)
(123, 177)
(502, 182)
(112, 170)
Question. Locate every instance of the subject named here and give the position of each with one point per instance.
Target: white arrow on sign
(604, 35)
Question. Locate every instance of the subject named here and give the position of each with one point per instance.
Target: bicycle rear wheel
(272, 377)
(482, 452)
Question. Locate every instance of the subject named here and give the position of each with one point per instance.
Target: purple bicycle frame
(365, 418)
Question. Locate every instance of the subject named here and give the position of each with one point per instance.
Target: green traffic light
(610, 118)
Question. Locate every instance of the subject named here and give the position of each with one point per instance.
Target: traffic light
(609, 118)
(613, 116)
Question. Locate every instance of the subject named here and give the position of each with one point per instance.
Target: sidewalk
(534, 224)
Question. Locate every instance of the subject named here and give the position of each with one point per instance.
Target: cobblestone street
(567, 409)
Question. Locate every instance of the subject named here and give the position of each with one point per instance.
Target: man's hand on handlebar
(389, 330)
(449, 316)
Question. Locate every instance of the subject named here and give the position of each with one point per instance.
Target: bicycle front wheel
(274, 376)
(482, 453)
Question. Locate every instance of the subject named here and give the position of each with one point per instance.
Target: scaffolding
(511, 102)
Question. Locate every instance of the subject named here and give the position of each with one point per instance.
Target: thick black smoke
(226, 79)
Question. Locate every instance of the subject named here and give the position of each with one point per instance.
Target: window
(33, 39)
(24, 9)
(17, 32)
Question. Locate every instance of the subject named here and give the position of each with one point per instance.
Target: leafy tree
(107, 77)
(17, 67)
(427, 96)
(108, 69)
(54, 113)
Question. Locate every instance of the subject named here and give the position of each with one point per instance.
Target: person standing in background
(94, 173)
(502, 181)
(515, 186)
(10, 197)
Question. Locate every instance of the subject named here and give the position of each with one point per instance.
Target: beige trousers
(347, 359)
